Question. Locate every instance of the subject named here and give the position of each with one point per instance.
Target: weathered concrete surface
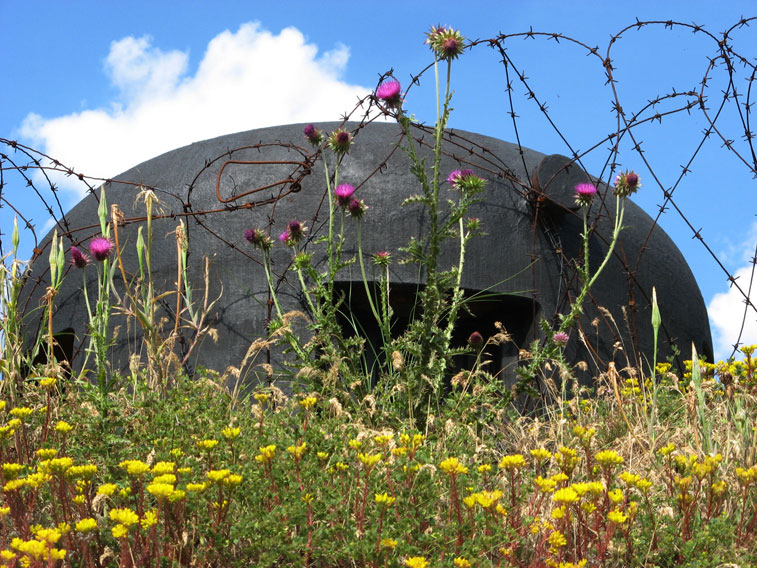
(532, 238)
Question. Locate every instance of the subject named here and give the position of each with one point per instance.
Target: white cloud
(726, 311)
(247, 79)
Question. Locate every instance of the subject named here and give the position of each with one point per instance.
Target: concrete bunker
(521, 267)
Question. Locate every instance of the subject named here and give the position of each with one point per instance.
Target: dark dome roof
(524, 261)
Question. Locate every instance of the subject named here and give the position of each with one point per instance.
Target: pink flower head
(466, 181)
(314, 136)
(561, 338)
(357, 208)
(101, 247)
(344, 194)
(390, 92)
(294, 233)
(257, 238)
(445, 42)
(79, 258)
(382, 258)
(585, 193)
(457, 176)
(340, 142)
(626, 183)
(475, 339)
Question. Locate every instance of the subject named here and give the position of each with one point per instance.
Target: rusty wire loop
(24, 169)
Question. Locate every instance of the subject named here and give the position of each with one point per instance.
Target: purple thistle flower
(79, 258)
(258, 239)
(357, 208)
(626, 183)
(294, 233)
(313, 135)
(340, 142)
(475, 339)
(457, 176)
(585, 193)
(101, 247)
(382, 258)
(343, 194)
(390, 92)
(561, 338)
(446, 42)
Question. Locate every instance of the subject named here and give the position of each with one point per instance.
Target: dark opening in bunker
(483, 311)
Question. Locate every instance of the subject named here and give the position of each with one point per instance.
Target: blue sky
(105, 85)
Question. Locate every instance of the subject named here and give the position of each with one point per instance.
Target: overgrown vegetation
(647, 468)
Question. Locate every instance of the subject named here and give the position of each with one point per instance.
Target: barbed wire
(24, 169)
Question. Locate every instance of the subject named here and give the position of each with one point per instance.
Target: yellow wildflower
(57, 465)
(46, 453)
(608, 458)
(63, 427)
(231, 433)
(86, 471)
(323, 456)
(557, 540)
(196, 487)
(261, 397)
(416, 562)
(217, 475)
(107, 489)
(149, 519)
(355, 444)
(4, 511)
(461, 562)
(169, 478)
(160, 490)
(21, 412)
(617, 517)
(297, 451)
(512, 462)
(369, 460)
(565, 495)
(11, 470)
(232, 480)
(545, 485)
(540, 454)
(266, 454)
(86, 525)
(134, 467)
(616, 496)
(48, 382)
(119, 531)
(388, 543)
(184, 470)
(488, 498)
(384, 499)
(666, 450)
(559, 512)
(452, 466)
(126, 517)
(308, 402)
(484, 468)
(207, 444)
(163, 467)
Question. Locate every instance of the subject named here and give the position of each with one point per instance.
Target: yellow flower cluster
(385, 499)
(308, 402)
(369, 460)
(416, 562)
(608, 458)
(135, 468)
(298, 451)
(512, 462)
(452, 466)
(540, 454)
(266, 454)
